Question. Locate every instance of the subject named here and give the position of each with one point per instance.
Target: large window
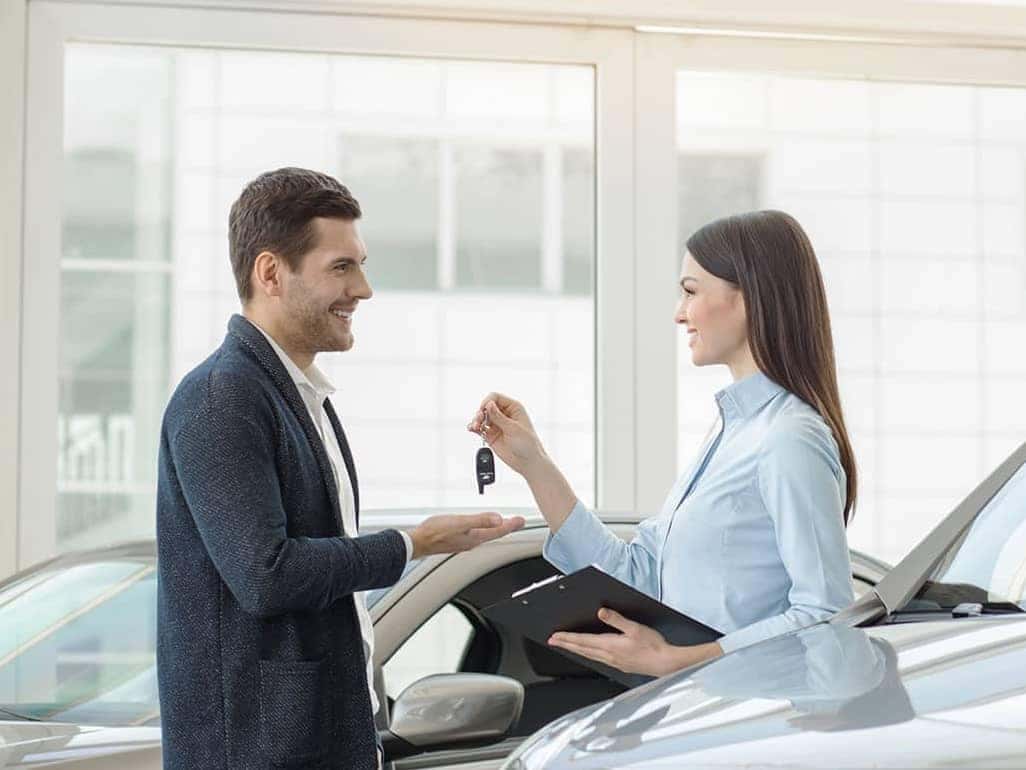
(479, 222)
(527, 189)
(913, 196)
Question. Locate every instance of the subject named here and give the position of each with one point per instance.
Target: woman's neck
(743, 364)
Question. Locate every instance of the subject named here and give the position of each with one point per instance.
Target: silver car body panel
(948, 693)
(61, 745)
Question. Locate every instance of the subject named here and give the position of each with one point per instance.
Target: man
(264, 640)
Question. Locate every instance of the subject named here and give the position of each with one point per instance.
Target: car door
(456, 637)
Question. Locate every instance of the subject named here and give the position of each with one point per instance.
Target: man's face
(318, 300)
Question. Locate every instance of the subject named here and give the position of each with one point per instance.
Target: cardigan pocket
(294, 712)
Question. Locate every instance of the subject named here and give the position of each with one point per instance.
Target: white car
(77, 674)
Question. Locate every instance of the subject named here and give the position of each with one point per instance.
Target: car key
(484, 463)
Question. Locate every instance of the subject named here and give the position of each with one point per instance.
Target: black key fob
(485, 467)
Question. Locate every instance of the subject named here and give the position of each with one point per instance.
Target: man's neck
(299, 358)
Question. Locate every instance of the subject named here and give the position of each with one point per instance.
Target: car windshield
(78, 643)
(987, 563)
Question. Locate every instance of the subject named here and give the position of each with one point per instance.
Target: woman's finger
(618, 621)
(598, 641)
(585, 652)
(496, 416)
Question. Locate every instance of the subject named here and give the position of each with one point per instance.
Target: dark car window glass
(79, 645)
(988, 563)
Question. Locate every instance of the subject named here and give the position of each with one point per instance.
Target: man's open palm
(452, 533)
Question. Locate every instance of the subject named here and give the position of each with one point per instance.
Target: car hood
(54, 744)
(949, 693)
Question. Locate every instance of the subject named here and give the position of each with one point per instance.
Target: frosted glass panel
(478, 218)
(913, 196)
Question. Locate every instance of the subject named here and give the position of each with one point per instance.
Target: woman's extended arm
(578, 538)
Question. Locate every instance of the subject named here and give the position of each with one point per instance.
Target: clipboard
(571, 603)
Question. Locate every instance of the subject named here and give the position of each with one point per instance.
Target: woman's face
(713, 312)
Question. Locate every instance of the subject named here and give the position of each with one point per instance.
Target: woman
(751, 539)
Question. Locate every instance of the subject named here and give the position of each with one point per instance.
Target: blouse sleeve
(803, 487)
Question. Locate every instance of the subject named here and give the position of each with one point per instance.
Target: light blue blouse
(751, 538)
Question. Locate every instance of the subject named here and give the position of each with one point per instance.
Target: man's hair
(275, 212)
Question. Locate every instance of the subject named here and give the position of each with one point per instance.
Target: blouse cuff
(568, 548)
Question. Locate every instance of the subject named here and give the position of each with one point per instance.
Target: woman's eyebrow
(687, 278)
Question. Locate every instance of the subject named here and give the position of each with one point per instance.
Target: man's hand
(452, 533)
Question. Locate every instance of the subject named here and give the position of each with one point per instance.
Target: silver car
(928, 669)
(78, 684)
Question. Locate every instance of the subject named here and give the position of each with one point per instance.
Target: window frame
(635, 202)
(52, 24)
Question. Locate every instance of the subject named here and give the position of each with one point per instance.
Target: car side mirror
(451, 710)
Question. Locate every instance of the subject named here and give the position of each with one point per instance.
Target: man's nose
(362, 288)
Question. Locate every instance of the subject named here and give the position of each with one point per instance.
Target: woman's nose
(680, 315)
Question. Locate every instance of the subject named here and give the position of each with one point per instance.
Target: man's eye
(342, 267)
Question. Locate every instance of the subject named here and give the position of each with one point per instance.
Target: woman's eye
(689, 292)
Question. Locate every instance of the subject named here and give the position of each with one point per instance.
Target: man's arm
(224, 461)
(226, 469)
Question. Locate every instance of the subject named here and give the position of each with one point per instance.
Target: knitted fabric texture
(259, 657)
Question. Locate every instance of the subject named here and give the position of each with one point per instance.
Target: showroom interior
(529, 173)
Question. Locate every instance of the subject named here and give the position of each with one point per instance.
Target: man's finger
(471, 521)
(483, 535)
(618, 621)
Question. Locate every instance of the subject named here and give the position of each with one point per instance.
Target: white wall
(936, 19)
(12, 112)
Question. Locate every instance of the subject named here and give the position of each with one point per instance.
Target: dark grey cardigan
(259, 656)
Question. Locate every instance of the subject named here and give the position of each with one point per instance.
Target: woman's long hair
(769, 256)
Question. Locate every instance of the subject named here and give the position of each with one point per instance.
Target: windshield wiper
(962, 610)
(19, 717)
(975, 609)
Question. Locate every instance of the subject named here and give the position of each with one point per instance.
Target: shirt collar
(748, 395)
(311, 378)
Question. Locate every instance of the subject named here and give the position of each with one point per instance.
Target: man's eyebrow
(348, 260)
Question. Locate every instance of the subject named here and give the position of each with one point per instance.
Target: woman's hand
(637, 649)
(507, 429)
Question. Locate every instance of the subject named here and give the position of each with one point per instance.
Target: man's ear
(267, 274)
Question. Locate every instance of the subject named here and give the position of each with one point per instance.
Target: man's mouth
(345, 315)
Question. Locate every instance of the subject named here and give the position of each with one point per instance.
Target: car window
(988, 562)
(437, 647)
(78, 644)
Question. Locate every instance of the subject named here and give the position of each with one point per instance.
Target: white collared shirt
(315, 388)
